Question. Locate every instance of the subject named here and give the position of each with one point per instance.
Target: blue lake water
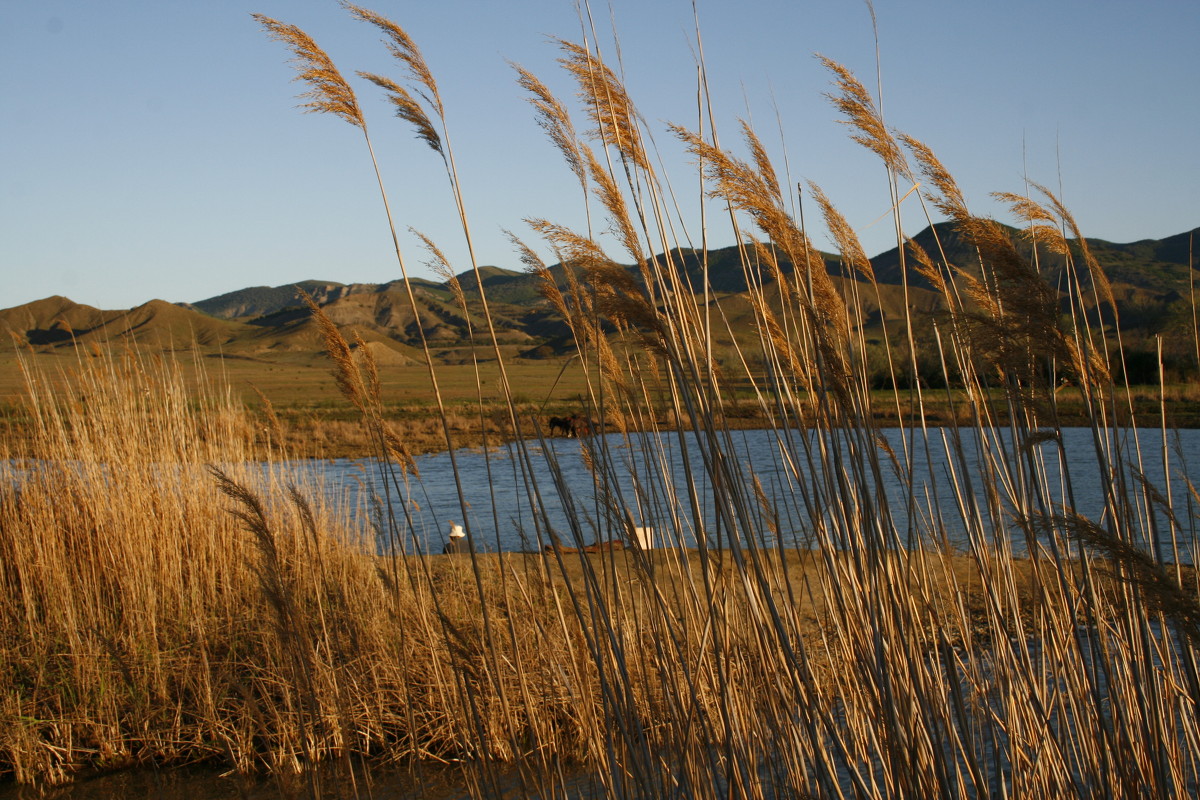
(789, 488)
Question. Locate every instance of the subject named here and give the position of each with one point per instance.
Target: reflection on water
(330, 782)
(207, 783)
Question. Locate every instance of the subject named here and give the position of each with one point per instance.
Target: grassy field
(302, 380)
(316, 420)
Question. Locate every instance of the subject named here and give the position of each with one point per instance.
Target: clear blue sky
(152, 149)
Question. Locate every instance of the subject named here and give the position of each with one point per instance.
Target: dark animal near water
(576, 425)
(581, 425)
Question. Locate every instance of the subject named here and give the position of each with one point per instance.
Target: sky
(154, 148)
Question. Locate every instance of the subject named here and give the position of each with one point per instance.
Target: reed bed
(979, 637)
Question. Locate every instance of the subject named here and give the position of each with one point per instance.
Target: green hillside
(1151, 283)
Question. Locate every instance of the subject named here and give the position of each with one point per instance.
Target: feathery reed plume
(768, 256)
(614, 292)
(534, 263)
(843, 234)
(294, 631)
(741, 186)
(762, 163)
(1016, 314)
(273, 424)
(857, 105)
(401, 45)
(1086, 363)
(925, 265)
(330, 94)
(608, 105)
(547, 286)
(619, 221)
(399, 451)
(408, 109)
(574, 247)
(404, 49)
(610, 367)
(748, 190)
(1100, 282)
(345, 370)
(440, 265)
(622, 300)
(1039, 225)
(370, 381)
(553, 118)
(250, 510)
(794, 365)
(948, 198)
(1018, 320)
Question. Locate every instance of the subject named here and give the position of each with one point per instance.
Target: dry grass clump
(165, 602)
(142, 621)
(130, 597)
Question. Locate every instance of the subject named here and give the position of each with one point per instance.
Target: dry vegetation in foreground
(162, 600)
(142, 622)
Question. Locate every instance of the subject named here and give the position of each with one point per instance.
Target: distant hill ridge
(257, 301)
(1153, 264)
(1150, 281)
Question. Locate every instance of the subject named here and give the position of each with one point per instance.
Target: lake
(594, 489)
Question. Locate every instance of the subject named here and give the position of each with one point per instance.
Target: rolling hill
(1150, 278)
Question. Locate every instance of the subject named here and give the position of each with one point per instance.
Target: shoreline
(302, 433)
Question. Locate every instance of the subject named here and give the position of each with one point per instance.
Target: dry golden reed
(606, 102)
(407, 109)
(861, 113)
(329, 93)
(554, 119)
(405, 50)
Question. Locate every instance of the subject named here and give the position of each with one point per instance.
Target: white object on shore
(456, 531)
(644, 538)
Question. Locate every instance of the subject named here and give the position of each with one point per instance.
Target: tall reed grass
(817, 639)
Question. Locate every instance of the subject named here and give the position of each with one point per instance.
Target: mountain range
(1151, 281)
